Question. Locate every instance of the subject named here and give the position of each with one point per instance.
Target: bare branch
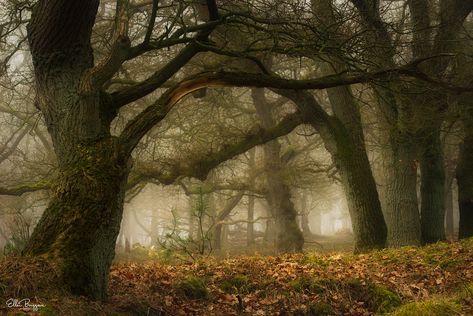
(200, 167)
(26, 188)
(152, 115)
(96, 77)
(152, 21)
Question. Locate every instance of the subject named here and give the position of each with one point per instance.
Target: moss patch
(319, 309)
(439, 307)
(192, 288)
(384, 299)
(239, 283)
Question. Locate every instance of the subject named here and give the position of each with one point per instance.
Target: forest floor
(431, 280)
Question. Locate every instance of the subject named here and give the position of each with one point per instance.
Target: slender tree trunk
(250, 231)
(222, 215)
(449, 221)
(464, 176)
(305, 227)
(451, 156)
(270, 230)
(217, 237)
(432, 189)
(191, 219)
(250, 226)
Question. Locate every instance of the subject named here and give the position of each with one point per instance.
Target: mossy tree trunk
(79, 228)
(405, 107)
(289, 237)
(432, 189)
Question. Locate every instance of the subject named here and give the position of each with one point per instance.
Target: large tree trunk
(348, 151)
(343, 139)
(465, 184)
(402, 210)
(289, 237)
(432, 189)
(79, 228)
(360, 189)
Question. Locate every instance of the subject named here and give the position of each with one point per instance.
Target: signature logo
(23, 303)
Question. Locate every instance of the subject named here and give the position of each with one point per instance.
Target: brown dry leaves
(292, 283)
(259, 285)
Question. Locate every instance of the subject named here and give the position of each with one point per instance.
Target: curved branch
(200, 167)
(156, 80)
(135, 92)
(152, 115)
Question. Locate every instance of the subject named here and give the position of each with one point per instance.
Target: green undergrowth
(192, 288)
(376, 297)
(433, 307)
(236, 284)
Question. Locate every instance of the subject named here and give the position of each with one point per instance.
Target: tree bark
(464, 176)
(451, 151)
(343, 139)
(360, 189)
(432, 189)
(79, 228)
(402, 210)
(289, 237)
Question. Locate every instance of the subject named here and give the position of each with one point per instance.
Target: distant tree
(412, 111)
